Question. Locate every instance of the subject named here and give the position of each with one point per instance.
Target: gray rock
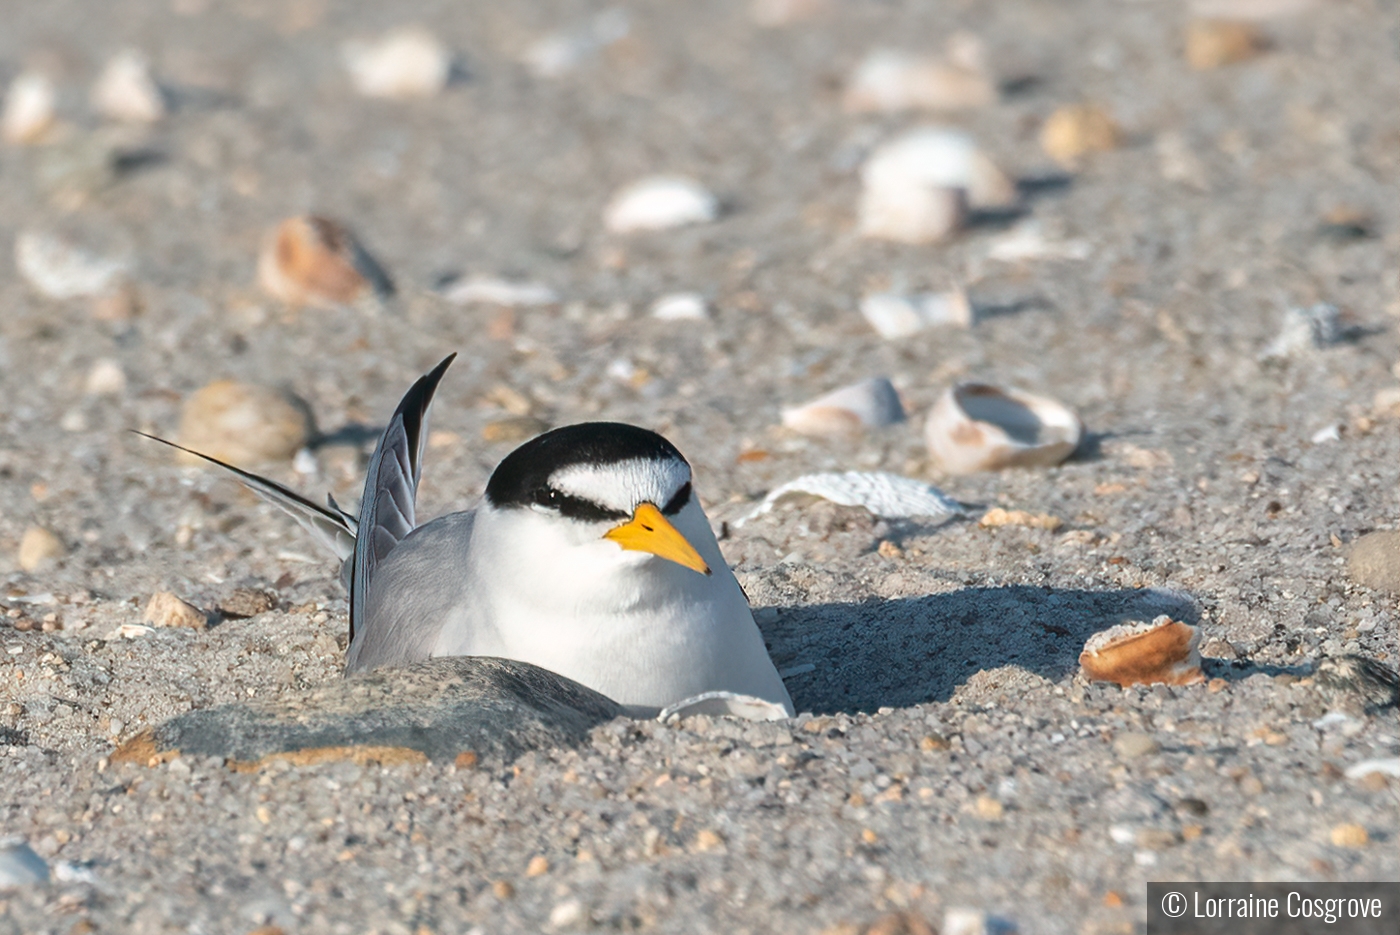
(486, 709)
(1374, 561)
(19, 865)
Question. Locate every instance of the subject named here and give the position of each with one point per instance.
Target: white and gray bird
(589, 555)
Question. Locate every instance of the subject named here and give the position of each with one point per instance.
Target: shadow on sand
(910, 651)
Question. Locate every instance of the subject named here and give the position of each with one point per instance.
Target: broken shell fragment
(165, 609)
(888, 81)
(725, 704)
(314, 261)
(998, 516)
(660, 202)
(29, 112)
(1306, 329)
(490, 290)
(60, 270)
(243, 424)
(872, 403)
(1073, 132)
(680, 306)
(976, 427)
(1161, 652)
(898, 316)
(917, 187)
(126, 90)
(887, 496)
(1212, 43)
(404, 63)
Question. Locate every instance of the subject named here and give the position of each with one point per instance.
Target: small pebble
(167, 610)
(660, 202)
(989, 808)
(1374, 561)
(680, 306)
(513, 429)
(243, 424)
(315, 261)
(405, 63)
(247, 602)
(40, 549)
(1350, 835)
(106, 378)
(58, 269)
(1130, 745)
(29, 109)
(707, 840)
(127, 91)
(1075, 131)
(1211, 43)
(997, 516)
(900, 923)
(537, 866)
(20, 866)
(565, 913)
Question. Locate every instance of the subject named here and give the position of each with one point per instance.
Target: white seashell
(680, 306)
(128, 631)
(489, 290)
(659, 202)
(975, 427)
(30, 104)
(887, 496)
(407, 62)
(127, 91)
(898, 316)
(20, 865)
(850, 410)
(558, 54)
(725, 704)
(1386, 766)
(106, 378)
(1026, 241)
(1328, 433)
(917, 188)
(889, 81)
(60, 270)
(1306, 329)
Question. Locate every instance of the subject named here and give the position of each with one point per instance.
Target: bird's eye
(547, 497)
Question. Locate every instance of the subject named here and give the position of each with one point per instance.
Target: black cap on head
(526, 470)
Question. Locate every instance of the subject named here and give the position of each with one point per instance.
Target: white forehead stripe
(622, 485)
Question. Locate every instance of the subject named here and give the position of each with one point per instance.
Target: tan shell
(1073, 132)
(1212, 43)
(315, 261)
(850, 410)
(976, 427)
(243, 424)
(1161, 652)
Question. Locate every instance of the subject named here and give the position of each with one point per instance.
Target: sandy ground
(948, 755)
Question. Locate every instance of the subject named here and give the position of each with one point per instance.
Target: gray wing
(417, 589)
(329, 525)
(387, 506)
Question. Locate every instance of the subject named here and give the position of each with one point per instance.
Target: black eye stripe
(574, 507)
(678, 502)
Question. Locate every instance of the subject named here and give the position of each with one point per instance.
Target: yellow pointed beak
(649, 531)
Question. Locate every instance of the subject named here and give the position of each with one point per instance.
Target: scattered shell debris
(977, 427)
(105, 378)
(165, 609)
(39, 549)
(404, 63)
(58, 269)
(491, 290)
(1164, 651)
(560, 53)
(869, 404)
(243, 424)
(1075, 131)
(20, 865)
(1306, 329)
(660, 202)
(126, 90)
(888, 496)
(999, 516)
(680, 306)
(30, 109)
(917, 187)
(1213, 43)
(315, 261)
(897, 316)
(725, 704)
(889, 81)
(1027, 241)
